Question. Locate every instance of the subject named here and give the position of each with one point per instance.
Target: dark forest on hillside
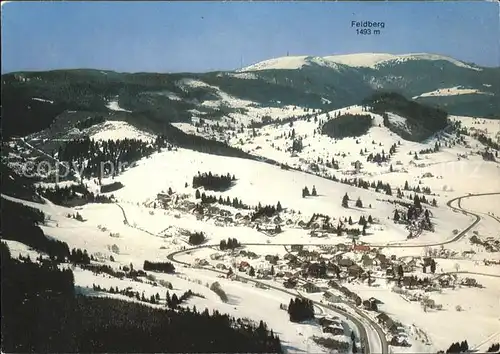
(347, 125)
(422, 120)
(213, 182)
(20, 223)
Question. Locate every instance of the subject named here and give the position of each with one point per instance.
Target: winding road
(361, 320)
(361, 327)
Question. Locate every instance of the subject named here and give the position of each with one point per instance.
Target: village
(329, 272)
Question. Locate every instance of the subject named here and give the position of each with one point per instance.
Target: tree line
(101, 158)
(165, 267)
(69, 195)
(197, 238)
(300, 309)
(347, 125)
(20, 223)
(230, 244)
(213, 182)
(210, 199)
(267, 210)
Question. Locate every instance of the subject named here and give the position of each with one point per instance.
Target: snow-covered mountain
(365, 60)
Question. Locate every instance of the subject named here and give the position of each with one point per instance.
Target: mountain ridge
(32, 100)
(365, 60)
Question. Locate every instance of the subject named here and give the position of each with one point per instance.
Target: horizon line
(236, 69)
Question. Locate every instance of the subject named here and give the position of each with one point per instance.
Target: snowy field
(117, 130)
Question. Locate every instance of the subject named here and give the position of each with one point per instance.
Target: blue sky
(204, 36)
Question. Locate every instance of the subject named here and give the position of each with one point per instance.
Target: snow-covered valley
(249, 204)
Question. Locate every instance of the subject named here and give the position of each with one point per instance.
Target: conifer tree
(345, 201)
(396, 216)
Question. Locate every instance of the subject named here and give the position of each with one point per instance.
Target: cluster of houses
(334, 266)
(350, 295)
(490, 243)
(395, 329)
(331, 324)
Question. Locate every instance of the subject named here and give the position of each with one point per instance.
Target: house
(332, 267)
(290, 283)
(385, 320)
(429, 302)
(328, 296)
(343, 247)
(311, 288)
(272, 259)
(216, 256)
(163, 197)
(201, 262)
(333, 284)
(334, 329)
(400, 340)
(244, 264)
(367, 261)
(317, 270)
(384, 263)
(427, 261)
(469, 282)
(444, 282)
(381, 257)
(410, 266)
(355, 270)
(371, 304)
(361, 248)
(346, 262)
(289, 256)
(294, 263)
(329, 320)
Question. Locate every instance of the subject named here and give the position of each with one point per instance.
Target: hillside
(307, 82)
(420, 121)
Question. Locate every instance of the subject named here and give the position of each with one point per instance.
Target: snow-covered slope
(452, 91)
(114, 106)
(117, 130)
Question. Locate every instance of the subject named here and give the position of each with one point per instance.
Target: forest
(422, 120)
(347, 125)
(20, 223)
(213, 182)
